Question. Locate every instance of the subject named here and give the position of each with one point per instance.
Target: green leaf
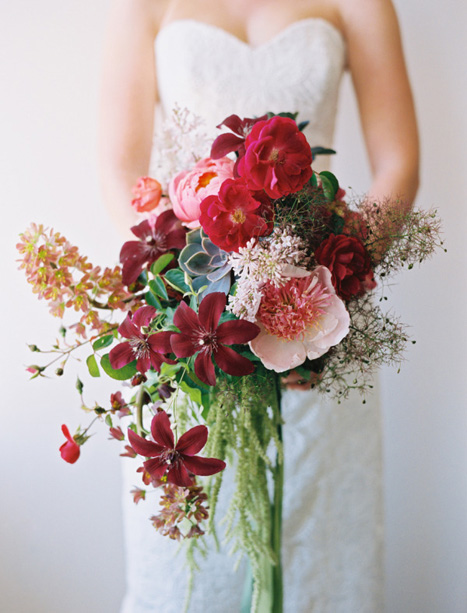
(176, 278)
(92, 366)
(161, 263)
(120, 374)
(193, 392)
(108, 420)
(169, 370)
(330, 184)
(157, 287)
(321, 151)
(103, 341)
(79, 385)
(152, 300)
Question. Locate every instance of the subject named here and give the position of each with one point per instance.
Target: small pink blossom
(118, 405)
(147, 192)
(70, 449)
(302, 319)
(138, 494)
(189, 188)
(116, 433)
(129, 452)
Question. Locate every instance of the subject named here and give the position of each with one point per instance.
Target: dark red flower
(70, 449)
(349, 263)
(147, 349)
(176, 461)
(234, 140)
(233, 217)
(201, 334)
(167, 233)
(277, 157)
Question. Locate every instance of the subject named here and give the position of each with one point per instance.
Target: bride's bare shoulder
(361, 14)
(151, 13)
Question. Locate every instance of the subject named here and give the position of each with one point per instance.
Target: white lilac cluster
(259, 262)
(182, 140)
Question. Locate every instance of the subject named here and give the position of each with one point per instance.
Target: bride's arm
(377, 65)
(128, 97)
(379, 75)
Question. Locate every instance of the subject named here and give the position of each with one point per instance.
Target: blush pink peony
(189, 188)
(302, 319)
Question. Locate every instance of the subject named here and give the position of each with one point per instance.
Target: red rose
(148, 194)
(277, 157)
(233, 217)
(349, 263)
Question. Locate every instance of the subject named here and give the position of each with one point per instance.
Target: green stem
(139, 410)
(276, 531)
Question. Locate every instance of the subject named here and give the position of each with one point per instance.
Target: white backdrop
(60, 525)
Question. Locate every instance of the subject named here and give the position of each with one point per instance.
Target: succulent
(205, 263)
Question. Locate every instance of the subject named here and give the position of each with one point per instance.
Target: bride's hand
(295, 381)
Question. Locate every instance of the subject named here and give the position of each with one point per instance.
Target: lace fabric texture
(332, 536)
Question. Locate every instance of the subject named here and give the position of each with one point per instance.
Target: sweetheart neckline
(292, 26)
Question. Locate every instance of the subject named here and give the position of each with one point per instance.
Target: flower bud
(138, 379)
(59, 372)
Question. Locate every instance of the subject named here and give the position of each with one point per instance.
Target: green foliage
(153, 300)
(161, 263)
(92, 366)
(120, 374)
(157, 287)
(103, 341)
(330, 185)
(176, 278)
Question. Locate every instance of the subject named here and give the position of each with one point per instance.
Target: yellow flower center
(238, 216)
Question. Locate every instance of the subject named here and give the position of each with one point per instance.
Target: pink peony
(148, 194)
(189, 188)
(302, 319)
(277, 158)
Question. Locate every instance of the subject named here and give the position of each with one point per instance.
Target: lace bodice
(214, 74)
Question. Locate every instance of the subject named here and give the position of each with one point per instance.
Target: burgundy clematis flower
(175, 461)
(70, 449)
(167, 233)
(147, 349)
(200, 333)
(234, 140)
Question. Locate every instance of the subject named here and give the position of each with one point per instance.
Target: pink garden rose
(189, 188)
(302, 319)
(277, 158)
(147, 194)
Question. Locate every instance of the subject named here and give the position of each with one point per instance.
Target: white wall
(60, 525)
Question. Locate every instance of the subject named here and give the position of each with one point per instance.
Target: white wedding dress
(332, 534)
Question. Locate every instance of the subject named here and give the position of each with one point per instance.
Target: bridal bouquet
(247, 264)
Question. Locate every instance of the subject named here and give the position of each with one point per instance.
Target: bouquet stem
(276, 512)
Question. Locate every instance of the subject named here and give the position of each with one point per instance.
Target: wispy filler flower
(261, 262)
